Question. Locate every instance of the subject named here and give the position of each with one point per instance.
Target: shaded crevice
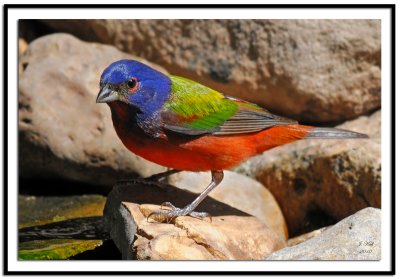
(215, 253)
(315, 218)
(142, 233)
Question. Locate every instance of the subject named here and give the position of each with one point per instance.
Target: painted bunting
(183, 125)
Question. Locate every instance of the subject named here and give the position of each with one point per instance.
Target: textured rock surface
(22, 46)
(62, 131)
(313, 70)
(240, 192)
(318, 182)
(358, 237)
(301, 238)
(232, 234)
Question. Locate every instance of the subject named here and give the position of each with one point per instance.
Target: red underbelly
(207, 152)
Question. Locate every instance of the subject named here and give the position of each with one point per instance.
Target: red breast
(203, 153)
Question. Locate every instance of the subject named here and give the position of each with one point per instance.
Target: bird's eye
(132, 85)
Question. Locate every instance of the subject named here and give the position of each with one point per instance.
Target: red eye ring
(133, 85)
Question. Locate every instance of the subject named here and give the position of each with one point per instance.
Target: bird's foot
(169, 215)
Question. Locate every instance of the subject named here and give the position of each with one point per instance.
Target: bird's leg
(217, 177)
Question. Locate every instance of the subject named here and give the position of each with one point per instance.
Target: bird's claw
(168, 204)
(169, 215)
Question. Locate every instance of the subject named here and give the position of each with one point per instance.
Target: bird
(184, 125)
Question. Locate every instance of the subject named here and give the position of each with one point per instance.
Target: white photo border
(13, 14)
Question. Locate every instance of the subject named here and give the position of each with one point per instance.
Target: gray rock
(119, 224)
(358, 237)
(311, 70)
(62, 131)
(301, 238)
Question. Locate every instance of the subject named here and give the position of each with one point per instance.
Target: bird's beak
(106, 95)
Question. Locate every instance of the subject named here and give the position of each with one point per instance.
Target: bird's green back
(199, 107)
(195, 109)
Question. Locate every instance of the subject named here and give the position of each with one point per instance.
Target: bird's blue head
(135, 84)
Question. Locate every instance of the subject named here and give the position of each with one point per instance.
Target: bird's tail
(333, 133)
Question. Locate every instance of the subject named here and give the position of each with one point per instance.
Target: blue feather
(154, 86)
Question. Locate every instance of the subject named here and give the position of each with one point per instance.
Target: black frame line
(7, 7)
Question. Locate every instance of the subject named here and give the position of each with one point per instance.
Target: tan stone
(311, 70)
(230, 235)
(62, 131)
(240, 192)
(22, 46)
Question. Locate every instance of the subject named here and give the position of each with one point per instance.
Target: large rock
(312, 70)
(62, 131)
(240, 192)
(230, 235)
(318, 182)
(358, 237)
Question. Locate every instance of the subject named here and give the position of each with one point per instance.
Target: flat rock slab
(240, 192)
(357, 237)
(231, 235)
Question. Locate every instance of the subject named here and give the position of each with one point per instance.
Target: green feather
(194, 109)
(202, 108)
